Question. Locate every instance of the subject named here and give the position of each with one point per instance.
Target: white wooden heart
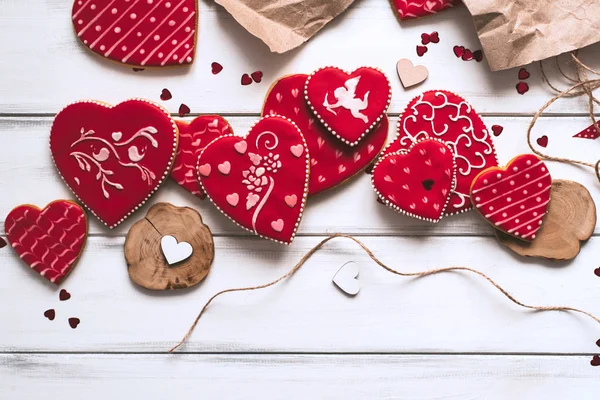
(346, 278)
(175, 252)
(411, 75)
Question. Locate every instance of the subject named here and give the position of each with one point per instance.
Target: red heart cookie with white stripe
(113, 157)
(408, 9)
(193, 138)
(146, 33)
(260, 181)
(446, 116)
(417, 182)
(331, 162)
(348, 104)
(514, 199)
(49, 240)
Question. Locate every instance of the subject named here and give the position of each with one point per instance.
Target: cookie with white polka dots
(514, 199)
(142, 33)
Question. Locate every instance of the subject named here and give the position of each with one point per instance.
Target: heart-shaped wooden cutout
(409, 74)
(347, 278)
(175, 251)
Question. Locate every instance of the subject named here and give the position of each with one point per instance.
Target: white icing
(346, 98)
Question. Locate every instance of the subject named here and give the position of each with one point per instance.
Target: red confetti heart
(543, 141)
(74, 322)
(597, 271)
(598, 343)
(458, 51)
(522, 87)
(421, 8)
(257, 76)
(138, 69)
(421, 50)
(216, 68)
(50, 314)
(165, 95)
(497, 130)
(523, 73)
(595, 361)
(434, 37)
(184, 110)
(2, 243)
(64, 295)
(478, 55)
(246, 80)
(467, 55)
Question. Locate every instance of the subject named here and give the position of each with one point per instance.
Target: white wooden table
(450, 336)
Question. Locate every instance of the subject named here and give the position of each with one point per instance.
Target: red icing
(588, 133)
(113, 158)
(408, 9)
(193, 138)
(417, 182)
(48, 240)
(447, 116)
(138, 32)
(515, 199)
(350, 105)
(331, 162)
(260, 181)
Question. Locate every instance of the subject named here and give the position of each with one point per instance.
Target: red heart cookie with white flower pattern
(408, 9)
(49, 240)
(331, 162)
(260, 181)
(348, 104)
(193, 138)
(514, 199)
(417, 182)
(113, 157)
(146, 33)
(446, 116)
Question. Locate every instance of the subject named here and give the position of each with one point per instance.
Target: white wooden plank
(91, 377)
(455, 312)
(27, 175)
(48, 68)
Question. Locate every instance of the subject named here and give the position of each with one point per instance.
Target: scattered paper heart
(174, 251)
(595, 361)
(246, 80)
(347, 278)
(523, 73)
(597, 271)
(409, 74)
(138, 69)
(598, 343)
(497, 130)
(50, 314)
(522, 87)
(458, 51)
(183, 110)
(165, 95)
(64, 295)
(2, 243)
(542, 141)
(421, 50)
(257, 76)
(74, 322)
(216, 68)
(478, 55)
(467, 55)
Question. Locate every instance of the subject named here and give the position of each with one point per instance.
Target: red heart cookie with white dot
(348, 104)
(113, 157)
(193, 138)
(417, 182)
(49, 240)
(446, 116)
(260, 181)
(408, 9)
(331, 162)
(514, 199)
(146, 33)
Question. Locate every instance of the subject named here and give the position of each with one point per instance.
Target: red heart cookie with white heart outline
(331, 162)
(113, 158)
(260, 181)
(193, 138)
(348, 104)
(408, 9)
(51, 240)
(514, 199)
(447, 116)
(144, 33)
(417, 182)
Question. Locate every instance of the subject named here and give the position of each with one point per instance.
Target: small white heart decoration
(346, 278)
(175, 252)
(411, 75)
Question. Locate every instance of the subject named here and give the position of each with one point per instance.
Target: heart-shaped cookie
(448, 117)
(514, 199)
(417, 182)
(146, 33)
(348, 104)
(260, 181)
(408, 9)
(113, 158)
(193, 138)
(331, 162)
(49, 240)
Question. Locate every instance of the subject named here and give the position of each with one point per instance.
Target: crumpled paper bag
(284, 24)
(518, 32)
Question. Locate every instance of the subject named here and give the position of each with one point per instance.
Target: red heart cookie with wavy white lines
(514, 199)
(113, 157)
(331, 162)
(348, 104)
(49, 240)
(417, 182)
(446, 116)
(193, 138)
(146, 33)
(260, 181)
(408, 9)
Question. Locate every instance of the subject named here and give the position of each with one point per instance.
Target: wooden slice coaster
(571, 219)
(147, 259)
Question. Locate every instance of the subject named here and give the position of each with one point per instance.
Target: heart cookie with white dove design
(259, 181)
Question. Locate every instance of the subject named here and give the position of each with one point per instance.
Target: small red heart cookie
(331, 162)
(448, 117)
(49, 240)
(151, 33)
(408, 9)
(515, 199)
(193, 138)
(113, 157)
(417, 182)
(349, 104)
(260, 181)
